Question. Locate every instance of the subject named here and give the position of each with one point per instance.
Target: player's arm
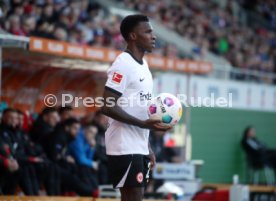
(117, 113)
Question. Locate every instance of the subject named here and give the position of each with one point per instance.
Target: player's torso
(123, 138)
(139, 89)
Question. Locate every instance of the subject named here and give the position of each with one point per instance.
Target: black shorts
(129, 170)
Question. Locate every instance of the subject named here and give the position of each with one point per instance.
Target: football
(166, 108)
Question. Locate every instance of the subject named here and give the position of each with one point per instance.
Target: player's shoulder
(123, 57)
(122, 61)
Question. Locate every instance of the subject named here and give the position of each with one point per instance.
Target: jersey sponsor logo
(117, 78)
(144, 97)
(141, 79)
(140, 177)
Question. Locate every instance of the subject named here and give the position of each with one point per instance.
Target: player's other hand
(156, 125)
(70, 159)
(95, 165)
(38, 160)
(152, 160)
(12, 165)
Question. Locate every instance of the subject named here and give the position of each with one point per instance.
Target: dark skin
(140, 40)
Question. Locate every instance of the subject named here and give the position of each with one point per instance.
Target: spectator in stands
(44, 125)
(60, 33)
(14, 26)
(28, 25)
(162, 154)
(258, 153)
(80, 22)
(44, 168)
(157, 144)
(83, 150)
(9, 134)
(57, 150)
(156, 139)
(209, 25)
(65, 113)
(267, 9)
(58, 141)
(171, 51)
(100, 121)
(3, 12)
(7, 127)
(44, 29)
(255, 149)
(8, 170)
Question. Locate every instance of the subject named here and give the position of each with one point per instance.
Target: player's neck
(135, 52)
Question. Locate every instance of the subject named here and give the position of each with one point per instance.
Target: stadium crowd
(78, 22)
(55, 152)
(267, 9)
(214, 28)
(58, 154)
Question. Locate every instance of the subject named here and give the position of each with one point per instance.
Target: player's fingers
(154, 121)
(162, 128)
(165, 126)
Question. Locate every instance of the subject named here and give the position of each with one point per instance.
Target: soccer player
(127, 143)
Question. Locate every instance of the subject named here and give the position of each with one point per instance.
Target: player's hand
(70, 159)
(95, 165)
(38, 160)
(156, 125)
(12, 165)
(152, 160)
(92, 143)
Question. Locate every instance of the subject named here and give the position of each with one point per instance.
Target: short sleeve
(117, 78)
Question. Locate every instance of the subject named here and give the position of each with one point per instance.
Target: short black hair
(48, 110)
(130, 22)
(64, 109)
(7, 110)
(246, 131)
(19, 111)
(71, 121)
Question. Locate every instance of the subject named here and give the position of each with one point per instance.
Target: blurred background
(216, 49)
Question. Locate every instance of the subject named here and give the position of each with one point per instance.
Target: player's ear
(132, 36)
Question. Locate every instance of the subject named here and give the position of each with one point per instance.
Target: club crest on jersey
(117, 78)
(140, 177)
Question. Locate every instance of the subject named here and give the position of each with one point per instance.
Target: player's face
(252, 132)
(145, 37)
(52, 118)
(74, 129)
(66, 115)
(20, 120)
(11, 119)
